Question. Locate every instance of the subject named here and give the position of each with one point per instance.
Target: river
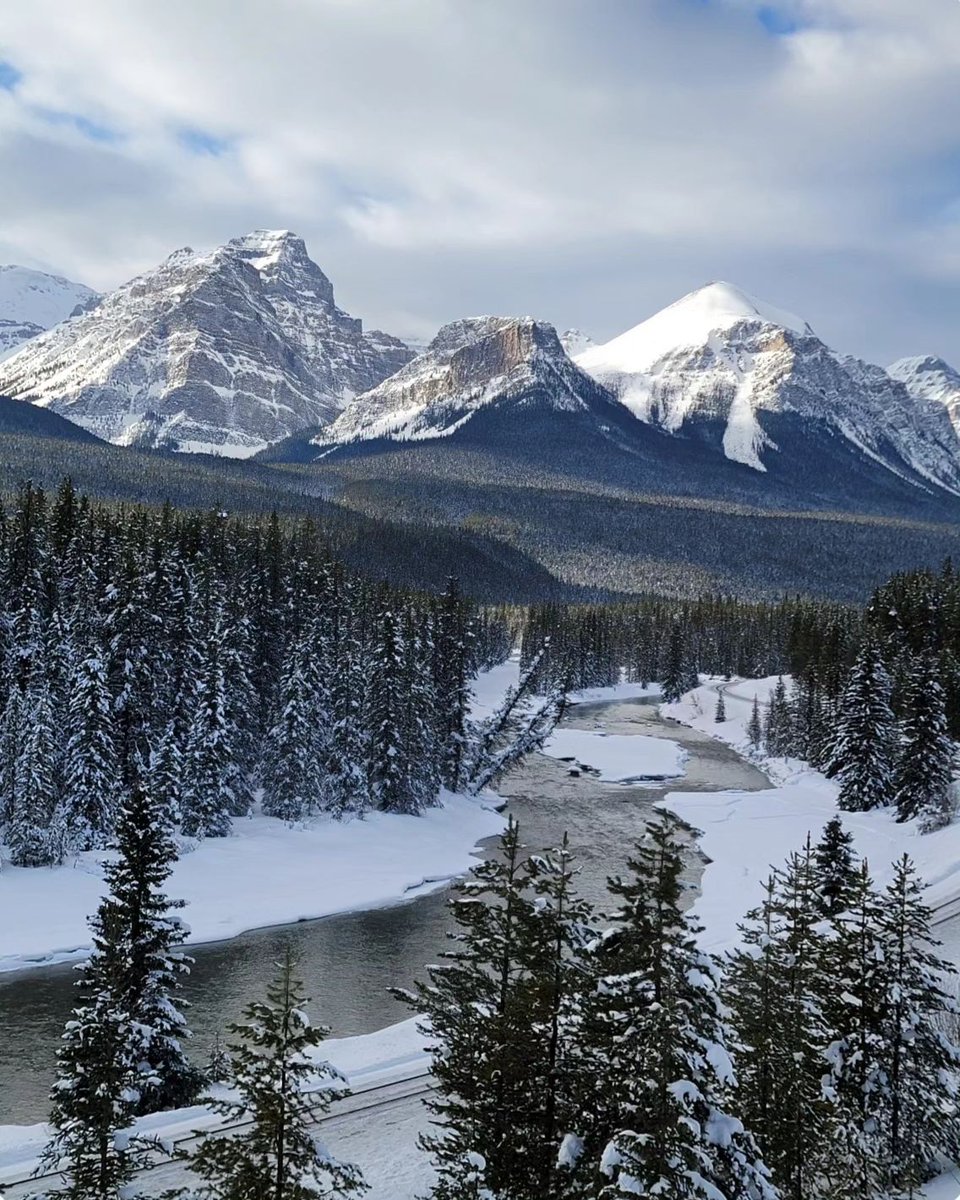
(349, 962)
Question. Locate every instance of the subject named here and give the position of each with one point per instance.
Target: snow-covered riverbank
(744, 834)
(265, 873)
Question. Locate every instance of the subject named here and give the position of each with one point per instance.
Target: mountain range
(561, 447)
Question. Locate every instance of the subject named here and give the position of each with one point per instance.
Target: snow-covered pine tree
(165, 775)
(218, 1068)
(720, 713)
(836, 868)
(665, 1054)
(36, 831)
(95, 1094)
(11, 739)
(864, 748)
(754, 726)
(277, 1154)
(451, 661)
(290, 770)
(391, 772)
(922, 1121)
(774, 986)
(676, 675)
(91, 768)
(554, 954)
(778, 733)
(481, 1007)
(924, 771)
(206, 796)
(153, 937)
(856, 1082)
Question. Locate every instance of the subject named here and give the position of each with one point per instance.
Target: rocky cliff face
(481, 363)
(222, 352)
(928, 378)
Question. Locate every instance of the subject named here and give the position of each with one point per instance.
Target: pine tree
(391, 772)
(778, 734)
(95, 1094)
(720, 715)
(837, 870)
(676, 677)
(207, 798)
(774, 987)
(857, 1083)
(451, 681)
(925, 766)
(290, 771)
(864, 747)
(218, 1068)
(36, 833)
(153, 936)
(754, 727)
(90, 767)
(277, 1155)
(663, 1046)
(922, 1120)
(480, 1004)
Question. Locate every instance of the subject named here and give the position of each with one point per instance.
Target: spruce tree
(922, 1122)
(836, 866)
(91, 768)
(662, 1049)
(864, 748)
(290, 770)
(924, 772)
(36, 832)
(95, 1094)
(676, 676)
(275, 1154)
(720, 714)
(480, 1002)
(856, 1082)
(206, 796)
(754, 726)
(775, 985)
(155, 962)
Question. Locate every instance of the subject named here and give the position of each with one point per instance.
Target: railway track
(166, 1168)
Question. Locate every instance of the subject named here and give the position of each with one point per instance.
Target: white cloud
(581, 160)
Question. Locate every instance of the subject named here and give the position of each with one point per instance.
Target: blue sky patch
(199, 141)
(776, 21)
(95, 131)
(9, 76)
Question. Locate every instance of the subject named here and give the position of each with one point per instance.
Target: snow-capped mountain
(222, 351)
(473, 365)
(32, 301)
(575, 341)
(719, 358)
(930, 378)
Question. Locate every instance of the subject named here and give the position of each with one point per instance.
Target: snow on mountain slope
(719, 358)
(470, 365)
(930, 378)
(32, 301)
(222, 351)
(575, 342)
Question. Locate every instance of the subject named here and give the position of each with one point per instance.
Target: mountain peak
(690, 321)
(219, 350)
(32, 301)
(474, 364)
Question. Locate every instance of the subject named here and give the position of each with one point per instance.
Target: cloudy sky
(587, 161)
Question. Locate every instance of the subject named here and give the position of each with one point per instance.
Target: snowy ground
(747, 833)
(619, 757)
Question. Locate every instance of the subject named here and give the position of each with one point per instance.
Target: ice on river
(617, 757)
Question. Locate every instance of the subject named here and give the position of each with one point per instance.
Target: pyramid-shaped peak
(690, 321)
